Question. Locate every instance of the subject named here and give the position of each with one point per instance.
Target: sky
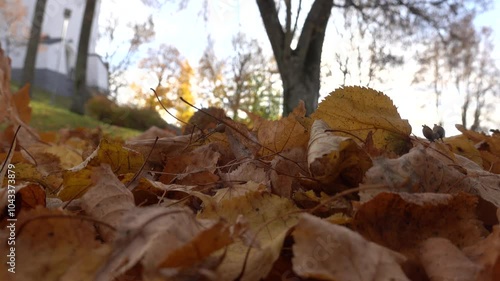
(188, 31)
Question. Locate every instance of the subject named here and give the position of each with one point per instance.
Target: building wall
(55, 62)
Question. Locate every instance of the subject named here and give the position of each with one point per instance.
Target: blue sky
(188, 31)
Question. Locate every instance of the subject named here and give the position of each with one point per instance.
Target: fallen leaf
(76, 180)
(486, 253)
(55, 245)
(282, 134)
(357, 111)
(331, 157)
(425, 170)
(196, 167)
(286, 170)
(401, 221)
(107, 199)
(269, 217)
(331, 252)
(444, 261)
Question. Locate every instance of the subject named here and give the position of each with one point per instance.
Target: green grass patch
(51, 113)
(50, 118)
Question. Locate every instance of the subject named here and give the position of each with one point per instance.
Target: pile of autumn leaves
(345, 194)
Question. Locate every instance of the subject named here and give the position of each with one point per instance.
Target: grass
(49, 118)
(50, 113)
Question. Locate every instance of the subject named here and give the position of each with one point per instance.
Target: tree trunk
(299, 67)
(81, 93)
(31, 52)
(465, 108)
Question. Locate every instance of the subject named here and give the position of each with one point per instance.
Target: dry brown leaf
(162, 148)
(21, 101)
(193, 168)
(107, 199)
(401, 221)
(148, 235)
(55, 245)
(331, 157)
(443, 261)
(331, 252)
(357, 111)
(166, 241)
(282, 134)
(32, 195)
(152, 133)
(269, 217)
(14, 108)
(488, 144)
(286, 169)
(486, 253)
(247, 171)
(237, 190)
(214, 237)
(426, 170)
(491, 162)
(244, 144)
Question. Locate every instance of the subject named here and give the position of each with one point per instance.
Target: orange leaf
(21, 100)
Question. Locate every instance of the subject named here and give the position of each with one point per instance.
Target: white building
(58, 47)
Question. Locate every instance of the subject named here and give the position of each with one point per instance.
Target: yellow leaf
(463, 146)
(75, 184)
(21, 101)
(122, 160)
(355, 111)
(68, 157)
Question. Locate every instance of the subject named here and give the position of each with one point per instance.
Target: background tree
(12, 14)
(389, 20)
(174, 80)
(360, 58)
(463, 60)
(244, 81)
(31, 52)
(81, 93)
(121, 54)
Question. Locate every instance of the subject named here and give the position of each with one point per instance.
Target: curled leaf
(331, 156)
